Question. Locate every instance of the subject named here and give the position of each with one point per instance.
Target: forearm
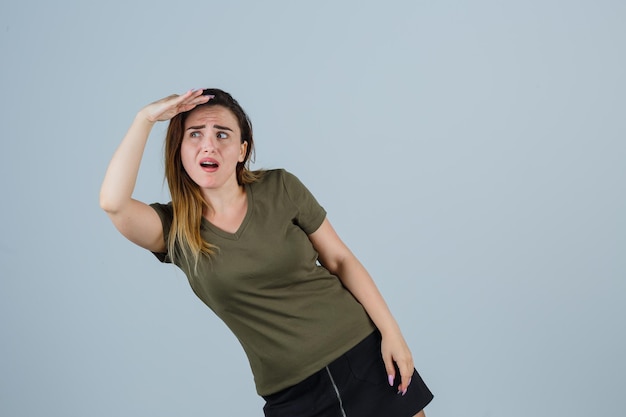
(358, 281)
(121, 175)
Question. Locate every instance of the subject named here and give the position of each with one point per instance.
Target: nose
(208, 144)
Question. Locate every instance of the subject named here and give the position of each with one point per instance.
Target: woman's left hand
(396, 351)
(335, 256)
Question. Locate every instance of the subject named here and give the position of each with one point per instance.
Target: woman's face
(211, 147)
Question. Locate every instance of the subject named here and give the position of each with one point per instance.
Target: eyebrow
(214, 126)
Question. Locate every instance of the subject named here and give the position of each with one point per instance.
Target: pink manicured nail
(390, 379)
(405, 390)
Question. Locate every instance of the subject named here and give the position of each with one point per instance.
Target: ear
(242, 151)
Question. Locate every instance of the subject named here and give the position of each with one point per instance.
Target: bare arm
(335, 256)
(136, 220)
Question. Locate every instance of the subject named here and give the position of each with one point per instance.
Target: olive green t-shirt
(290, 314)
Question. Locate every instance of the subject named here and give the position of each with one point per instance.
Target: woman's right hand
(170, 106)
(136, 220)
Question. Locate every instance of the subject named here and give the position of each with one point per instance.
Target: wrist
(143, 118)
(389, 329)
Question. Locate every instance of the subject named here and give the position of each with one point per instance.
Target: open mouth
(209, 164)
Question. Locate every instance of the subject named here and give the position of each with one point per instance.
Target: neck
(223, 199)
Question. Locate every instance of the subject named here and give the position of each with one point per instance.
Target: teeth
(208, 164)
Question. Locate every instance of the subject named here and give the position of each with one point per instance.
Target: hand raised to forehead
(168, 107)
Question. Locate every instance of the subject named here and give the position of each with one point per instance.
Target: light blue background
(470, 153)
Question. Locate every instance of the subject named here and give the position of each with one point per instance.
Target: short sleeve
(310, 213)
(166, 214)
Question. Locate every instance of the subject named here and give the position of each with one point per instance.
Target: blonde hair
(188, 202)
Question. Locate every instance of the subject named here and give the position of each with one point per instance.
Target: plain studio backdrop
(471, 153)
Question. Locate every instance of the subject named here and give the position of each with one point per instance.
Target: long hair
(187, 200)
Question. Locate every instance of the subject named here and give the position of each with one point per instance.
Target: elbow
(109, 205)
(106, 206)
(334, 266)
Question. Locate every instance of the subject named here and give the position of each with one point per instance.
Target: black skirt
(355, 385)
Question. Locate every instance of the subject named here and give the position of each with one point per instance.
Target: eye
(222, 135)
(194, 134)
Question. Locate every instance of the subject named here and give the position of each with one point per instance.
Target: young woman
(258, 250)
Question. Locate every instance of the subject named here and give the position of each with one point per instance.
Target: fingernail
(405, 390)
(390, 379)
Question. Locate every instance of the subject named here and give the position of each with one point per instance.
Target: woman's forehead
(205, 114)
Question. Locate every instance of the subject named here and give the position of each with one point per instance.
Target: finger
(390, 369)
(170, 102)
(195, 93)
(193, 98)
(404, 386)
(406, 372)
(190, 105)
(178, 100)
(174, 104)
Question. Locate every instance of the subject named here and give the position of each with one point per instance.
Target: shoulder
(272, 174)
(280, 182)
(276, 178)
(165, 212)
(163, 208)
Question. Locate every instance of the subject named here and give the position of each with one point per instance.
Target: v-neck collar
(242, 227)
